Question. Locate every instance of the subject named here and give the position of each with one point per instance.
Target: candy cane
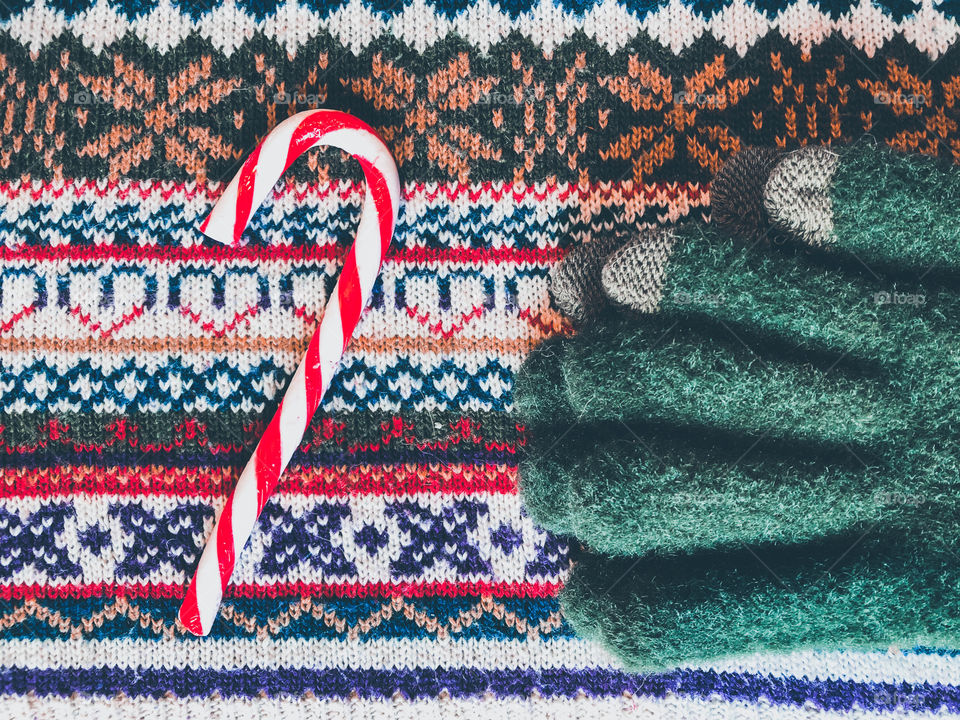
(226, 224)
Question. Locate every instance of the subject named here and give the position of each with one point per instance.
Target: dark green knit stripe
(887, 588)
(42, 438)
(900, 212)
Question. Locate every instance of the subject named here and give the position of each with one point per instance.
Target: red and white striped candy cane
(226, 223)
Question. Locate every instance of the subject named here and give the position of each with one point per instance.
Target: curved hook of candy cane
(226, 223)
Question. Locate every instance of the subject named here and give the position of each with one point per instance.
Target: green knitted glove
(789, 400)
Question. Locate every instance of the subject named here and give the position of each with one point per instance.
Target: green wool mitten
(756, 413)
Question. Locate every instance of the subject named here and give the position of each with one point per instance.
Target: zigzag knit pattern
(396, 573)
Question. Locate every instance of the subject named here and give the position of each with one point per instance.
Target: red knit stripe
(218, 254)
(168, 590)
(336, 481)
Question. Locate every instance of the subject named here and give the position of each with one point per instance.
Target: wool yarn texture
(399, 571)
(738, 396)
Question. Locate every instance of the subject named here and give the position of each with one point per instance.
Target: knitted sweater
(396, 573)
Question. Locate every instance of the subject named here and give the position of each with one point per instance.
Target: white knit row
(671, 707)
(674, 25)
(313, 653)
(271, 299)
(489, 654)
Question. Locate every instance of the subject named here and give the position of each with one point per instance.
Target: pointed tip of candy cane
(215, 229)
(190, 619)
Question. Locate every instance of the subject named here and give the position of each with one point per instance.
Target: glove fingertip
(798, 195)
(545, 495)
(583, 607)
(537, 390)
(601, 602)
(575, 280)
(736, 193)
(634, 275)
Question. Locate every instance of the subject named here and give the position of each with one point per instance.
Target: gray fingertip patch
(634, 275)
(798, 195)
(575, 280)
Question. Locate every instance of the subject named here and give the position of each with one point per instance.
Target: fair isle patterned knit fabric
(395, 573)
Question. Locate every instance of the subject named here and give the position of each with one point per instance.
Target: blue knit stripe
(459, 682)
(489, 626)
(437, 228)
(30, 383)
